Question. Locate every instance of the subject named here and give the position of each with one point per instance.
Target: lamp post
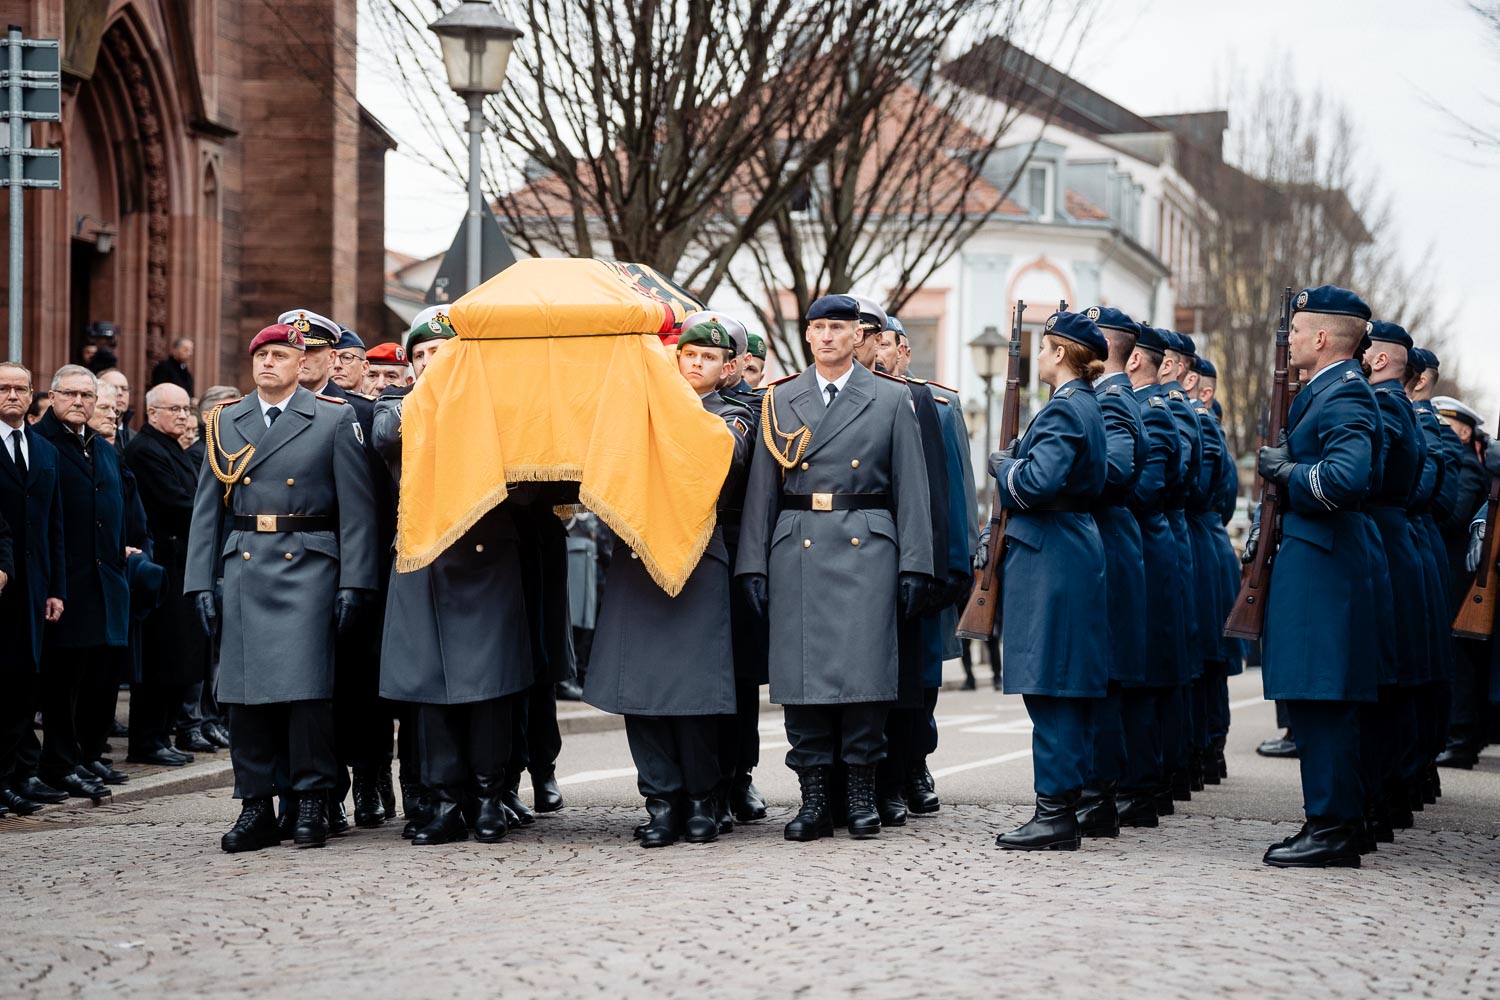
(986, 351)
(476, 41)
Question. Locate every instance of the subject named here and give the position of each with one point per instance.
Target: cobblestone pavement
(135, 899)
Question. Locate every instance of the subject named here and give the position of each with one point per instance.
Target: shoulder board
(1063, 393)
(332, 399)
(1349, 376)
(1382, 390)
(1113, 390)
(940, 399)
(894, 378)
(1176, 394)
(1157, 401)
(228, 402)
(784, 378)
(365, 395)
(928, 381)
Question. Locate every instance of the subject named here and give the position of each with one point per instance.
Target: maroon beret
(278, 333)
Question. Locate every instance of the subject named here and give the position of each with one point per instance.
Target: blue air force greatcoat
(277, 625)
(1055, 632)
(833, 574)
(1403, 455)
(1226, 498)
(1166, 665)
(33, 509)
(1190, 472)
(1206, 528)
(660, 655)
(456, 630)
(1320, 641)
(940, 629)
(1125, 570)
(1435, 493)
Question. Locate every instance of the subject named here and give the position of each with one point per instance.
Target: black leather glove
(1003, 455)
(1476, 545)
(1492, 459)
(347, 605)
(982, 553)
(957, 591)
(1275, 463)
(1251, 544)
(757, 594)
(208, 611)
(911, 592)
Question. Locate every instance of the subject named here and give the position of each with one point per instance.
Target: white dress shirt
(838, 383)
(14, 437)
(280, 405)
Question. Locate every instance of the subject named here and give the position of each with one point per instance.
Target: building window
(1039, 190)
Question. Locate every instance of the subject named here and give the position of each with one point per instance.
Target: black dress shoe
(216, 734)
(80, 788)
(1195, 772)
(745, 800)
(1277, 747)
(1164, 804)
(1181, 786)
(1053, 827)
(1434, 783)
(446, 825)
(863, 816)
(37, 790)
(387, 790)
(18, 804)
(921, 793)
(193, 740)
(510, 795)
(1138, 811)
(814, 819)
(312, 821)
(569, 691)
(1098, 812)
(888, 801)
(702, 826)
(721, 808)
(103, 773)
(116, 730)
(256, 828)
(547, 796)
(159, 756)
(1457, 756)
(661, 828)
(1321, 844)
(369, 811)
(490, 822)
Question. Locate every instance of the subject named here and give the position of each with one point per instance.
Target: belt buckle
(822, 501)
(265, 522)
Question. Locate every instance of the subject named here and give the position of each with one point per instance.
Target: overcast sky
(1392, 63)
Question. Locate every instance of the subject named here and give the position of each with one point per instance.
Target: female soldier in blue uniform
(1056, 654)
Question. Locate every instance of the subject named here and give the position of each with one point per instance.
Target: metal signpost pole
(17, 221)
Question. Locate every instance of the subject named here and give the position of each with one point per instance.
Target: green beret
(430, 328)
(709, 333)
(757, 345)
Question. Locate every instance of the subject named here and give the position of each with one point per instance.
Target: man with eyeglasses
(350, 368)
(77, 652)
(32, 505)
(123, 413)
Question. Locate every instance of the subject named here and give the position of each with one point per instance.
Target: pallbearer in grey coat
(284, 513)
(667, 664)
(457, 643)
(836, 536)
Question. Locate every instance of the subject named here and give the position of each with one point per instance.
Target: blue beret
(1205, 367)
(892, 323)
(1429, 359)
(1185, 345)
(1080, 329)
(834, 307)
(1415, 361)
(1114, 319)
(1331, 300)
(1149, 337)
(1390, 333)
(347, 339)
(1218, 410)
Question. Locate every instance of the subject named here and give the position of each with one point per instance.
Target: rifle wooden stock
(1476, 616)
(978, 618)
(1248, 616)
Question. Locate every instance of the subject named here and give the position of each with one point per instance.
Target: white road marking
(943, 772)
(582, 777)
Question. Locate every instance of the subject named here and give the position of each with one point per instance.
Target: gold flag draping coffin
(559, 373)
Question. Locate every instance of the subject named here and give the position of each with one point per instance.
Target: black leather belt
(286, 522)
(836, 501)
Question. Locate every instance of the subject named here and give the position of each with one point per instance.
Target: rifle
(1248, 616)
(978, 618)
(1476, 616)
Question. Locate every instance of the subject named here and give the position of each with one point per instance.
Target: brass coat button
(854, 542)
(479, 547)
(291, 482)
(804, 466)
(247, 480)
(289, 555)
(854, 464)
(247, 555)
(806, 544)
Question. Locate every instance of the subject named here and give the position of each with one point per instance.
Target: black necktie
(272, 412)
(832, 391)
(19, 456)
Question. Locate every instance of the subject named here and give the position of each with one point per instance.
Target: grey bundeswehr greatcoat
(279, 587)
(660, 655)
(455, 630)
(832, 574)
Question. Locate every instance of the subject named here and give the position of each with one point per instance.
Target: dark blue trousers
(1139, 713)
(1216, 677)
(1328, 749)
(1059, 742)
(1176, 725)
(1198, 708)
(1107, 747)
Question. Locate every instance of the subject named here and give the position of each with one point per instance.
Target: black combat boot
(548, 797)
(661, 830)
(1053, 827)
(256, 828)
(1164, 804)
(1137, 809)
(702, 826)
(921, 794)
(1182, 786)
(510, 796)
(814, 819)
(1220, 765)
(745, 799)
(1320, 844)
(387, 791)
(1378, 828)
(888, 801)
(419, 805)
(286, 818)
(1397, 809)
(447, 823)
(1098, 812)
(369, 811)
(338, 823)
(864, 817)
(490, 821)
(312, 820)
(723, 816)
(1195, 770)
(1434, 781)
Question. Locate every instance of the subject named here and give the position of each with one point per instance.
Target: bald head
(168, 409)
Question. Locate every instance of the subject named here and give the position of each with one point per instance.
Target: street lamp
(476, 41)
(987, 349)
